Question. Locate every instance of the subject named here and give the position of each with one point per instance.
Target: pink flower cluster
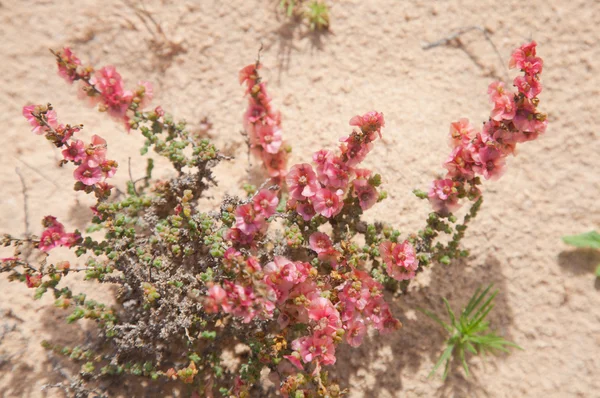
(263, 124)
(93, 166)
(513, 119)
(104, 87)
(321, 244)
(400, 259)
(239, 298)
(54, 235)
(251, 218)
(323, 191)
(362, 302)
(300, 300)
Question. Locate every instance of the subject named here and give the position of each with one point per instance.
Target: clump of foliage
(314, 12)
(469, 332)
(280, 273)
(587, 240)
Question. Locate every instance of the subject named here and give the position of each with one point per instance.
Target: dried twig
(131, 178)
(454, 36)
(44, 177)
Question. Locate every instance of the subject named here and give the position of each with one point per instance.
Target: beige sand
(372, 60)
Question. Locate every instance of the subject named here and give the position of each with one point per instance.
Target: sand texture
(372, 60)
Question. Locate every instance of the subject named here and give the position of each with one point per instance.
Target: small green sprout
(288, 6)
(469, 332)
(317, 15)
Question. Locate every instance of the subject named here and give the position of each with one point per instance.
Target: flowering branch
(292, 290)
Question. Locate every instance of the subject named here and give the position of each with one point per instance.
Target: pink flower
(265, 202)
(490, 163)
(66, 132)
(254, 113)
(305, 209)
(214, 298)
(96, 151)
(282, 275)
(461, 133)
(381, 318)
(366, 193)
(248, 220)
(109, 168)
(362, 174)
(354, 153)
(498, 135)
(295, 360)
(88, 175)
(525, 59)
(369, 122)
(51, 238)
(528, 85)
(504, 103)
(302, 181)
(54, 235)
(320, 242)
(326, 318)
(321, 157)
(239, 301)
(113, 95)
(443, 196)
(75, 152)
(330, 256)
(236, 235)
(529, 121)
(269, 137)
(33, 281)
(319, 348)
(460, 163)
(496, 90)
(145, 92)
(249, 73)
(335, 173)
(67, 67)
(39, 128)
(328, 203)
(356, 332)
(400, 259)
(275, 163)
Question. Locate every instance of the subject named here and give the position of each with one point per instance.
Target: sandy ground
(372, 59)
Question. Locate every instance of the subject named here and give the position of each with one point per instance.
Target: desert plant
(469, 332)
(314, 12)
(280, 272)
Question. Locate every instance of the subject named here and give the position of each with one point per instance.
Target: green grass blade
(436, 319)
(487, 303)
(446, 355)
(473, 301)
(464, 362)
(470, 347)
(450, 312)
(476, 322)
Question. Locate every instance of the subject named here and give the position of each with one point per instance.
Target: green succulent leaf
(589, 240)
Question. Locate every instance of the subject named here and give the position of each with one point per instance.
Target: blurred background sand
(371, 59)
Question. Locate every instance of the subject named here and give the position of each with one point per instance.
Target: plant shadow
(60, 375)
(579, 261)
(291, 31)
(377, 367)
